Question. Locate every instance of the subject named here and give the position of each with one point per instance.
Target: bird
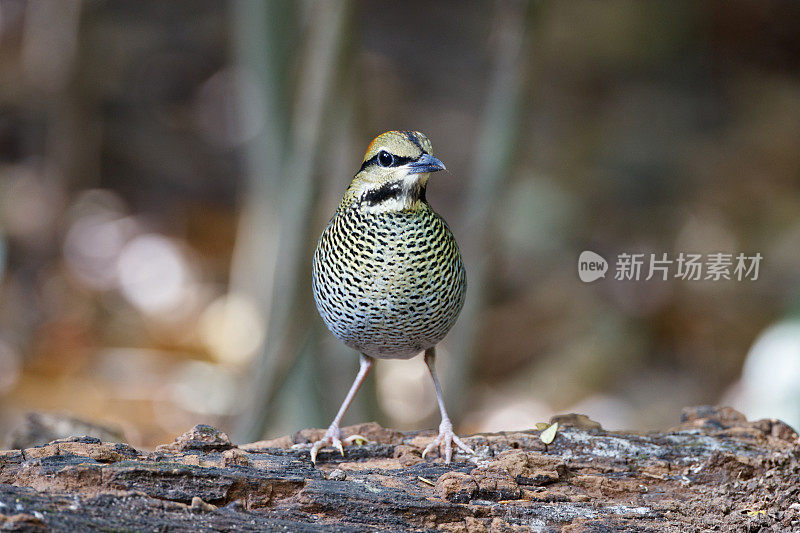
(387, 275)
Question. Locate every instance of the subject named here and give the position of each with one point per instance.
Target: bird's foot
(333, 438)
(446, 437)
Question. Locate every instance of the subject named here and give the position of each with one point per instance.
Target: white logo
(591, 266)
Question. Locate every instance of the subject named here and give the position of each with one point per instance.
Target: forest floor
(716, 471)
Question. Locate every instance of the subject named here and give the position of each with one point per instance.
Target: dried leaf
(549, 434)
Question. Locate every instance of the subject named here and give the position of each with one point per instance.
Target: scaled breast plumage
(388, 284)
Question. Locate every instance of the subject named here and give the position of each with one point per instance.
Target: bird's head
(394, 173)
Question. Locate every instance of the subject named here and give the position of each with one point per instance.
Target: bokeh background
(166, 168)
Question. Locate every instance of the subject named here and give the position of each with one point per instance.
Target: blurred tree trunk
(495, 153)
(261, 48)
(290, 199)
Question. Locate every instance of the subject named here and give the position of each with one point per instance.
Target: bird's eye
(385, 159)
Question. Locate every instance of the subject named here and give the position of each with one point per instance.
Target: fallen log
(715, 470)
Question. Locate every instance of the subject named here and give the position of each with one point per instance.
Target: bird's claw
(333, 438)
(446, 437)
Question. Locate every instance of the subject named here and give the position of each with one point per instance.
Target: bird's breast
(389, 284)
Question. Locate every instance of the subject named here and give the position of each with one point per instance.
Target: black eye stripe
(398, 161)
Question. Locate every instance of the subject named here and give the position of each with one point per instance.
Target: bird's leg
(446, 435)
(333, 436)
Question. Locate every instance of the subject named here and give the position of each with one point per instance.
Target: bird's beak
(426, 163)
